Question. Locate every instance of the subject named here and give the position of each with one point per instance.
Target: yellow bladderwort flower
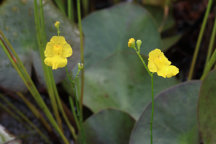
(157, 62)
(56, 52)
(131, 42)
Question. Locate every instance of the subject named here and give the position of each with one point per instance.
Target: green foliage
(108, 127)
(174, 119)
(18, 26)
(206, 109)
(114, 75)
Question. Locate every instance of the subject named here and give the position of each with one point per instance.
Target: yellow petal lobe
(157, 62)
(55, 62)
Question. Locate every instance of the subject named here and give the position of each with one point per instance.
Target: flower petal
(55, 62)
(67, 50)
(58, 40)
(173, 70)
(168, 71)
(49, 50)
(152, 67)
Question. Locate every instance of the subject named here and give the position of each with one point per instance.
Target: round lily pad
(206, 109)
(175, 117)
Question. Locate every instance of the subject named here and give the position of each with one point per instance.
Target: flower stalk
(81, 54)
(158, 63)
(48, 75)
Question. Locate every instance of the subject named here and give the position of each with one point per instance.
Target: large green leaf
(17, 23)
(114, 76)
(175, 118)
(108, 127)
(206, 109)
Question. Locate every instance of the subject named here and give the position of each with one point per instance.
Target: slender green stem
(139, 55)
(152, 90)
(85, 4)
(74, 112)
(70, 10)
(152, 115)
(199, 40)
(41, 39)
(58, 31)
(72, 104)
(81, 53)
(71, 128)
(209, 65)
(212, 40)
(51, 78)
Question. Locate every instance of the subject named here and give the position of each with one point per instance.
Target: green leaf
(108, 127)
(114, 75)
(17, 23)
(174, 117)
(206, 109)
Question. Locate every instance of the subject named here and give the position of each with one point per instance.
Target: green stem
(152, 90)
(139, 55)
(81, 53)
(199, 40)
(70, 10)
(209, 65)
(41, 39)
(73, 82)
(152, 115)
(74, 112)
(71, 128)
(212, 40)
(85, 4)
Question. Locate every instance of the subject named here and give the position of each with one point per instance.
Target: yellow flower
(56, 52)
(131, 42)
(157, 62)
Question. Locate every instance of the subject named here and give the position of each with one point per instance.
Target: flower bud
(80, 66)
(131, 43)
(57, 24)
(139, 43)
